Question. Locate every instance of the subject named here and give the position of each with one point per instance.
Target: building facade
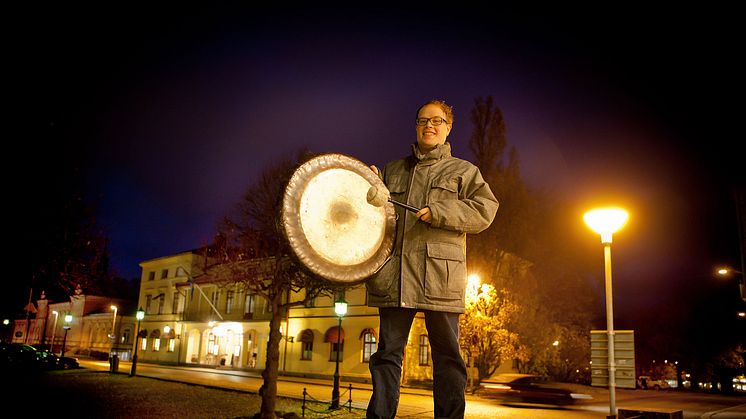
(209, 324)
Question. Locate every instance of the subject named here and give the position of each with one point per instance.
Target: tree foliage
(486, 329)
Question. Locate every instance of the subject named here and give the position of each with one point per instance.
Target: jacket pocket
(445, 271)
(443, 188)
(383, 283)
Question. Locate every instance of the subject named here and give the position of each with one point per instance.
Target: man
(427, 270)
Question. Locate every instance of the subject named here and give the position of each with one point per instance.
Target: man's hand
(425, 215)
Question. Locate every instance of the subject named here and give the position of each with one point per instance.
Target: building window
(175, 305)
(307, 351)
(151, 275)
(333, 352)
(148, 300)
(171, 344)
(229, 302)
(161, 303)
(248, 306)
(164, 274)
(157, 344)
(424, 351)
(215, 296)
(126, 336)
(369, 345)
(144, 344)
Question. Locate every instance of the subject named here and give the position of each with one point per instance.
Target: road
(417, 403)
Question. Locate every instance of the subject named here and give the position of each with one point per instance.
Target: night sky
(166, 116)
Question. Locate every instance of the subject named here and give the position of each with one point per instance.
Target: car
(53, 361)
(646, 382)
(528, 388)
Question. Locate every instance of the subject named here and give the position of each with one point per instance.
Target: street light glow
(606, 221)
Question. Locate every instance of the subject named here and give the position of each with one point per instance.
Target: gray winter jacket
(427, 269)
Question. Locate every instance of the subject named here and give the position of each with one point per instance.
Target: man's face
(429, 135)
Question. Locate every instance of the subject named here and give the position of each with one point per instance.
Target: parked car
(53, 361)
(646, 382)
(18, 356)
(26, 357)
(529, 388)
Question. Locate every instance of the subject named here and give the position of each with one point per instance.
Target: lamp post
(113, 358)
(140, 315)
(54, 330)
(68, 320)
(606, 221)
(340, 307)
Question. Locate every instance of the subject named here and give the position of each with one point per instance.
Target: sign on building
(624, 358)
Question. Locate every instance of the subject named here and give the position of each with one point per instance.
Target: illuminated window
(148, 300)
(307, 351)
(144, 344)
(229, 302)
(424, 352)
(369, 345)
(171, 345)
(248, 306)
(175, 305)
(157, 344)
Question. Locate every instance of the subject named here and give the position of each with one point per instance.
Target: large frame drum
(330, 226)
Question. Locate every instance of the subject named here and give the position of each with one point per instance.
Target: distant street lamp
(113, 328)
(340, 307)
(54, 330)
(741, 285)
(606, 221)
(68, 320)
(140, 315)
(113, 358)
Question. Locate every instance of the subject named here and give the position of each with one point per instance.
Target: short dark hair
(447, 109)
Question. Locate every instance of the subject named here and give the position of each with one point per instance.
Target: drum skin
(330, 227)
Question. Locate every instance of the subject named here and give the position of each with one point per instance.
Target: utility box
(624, 358)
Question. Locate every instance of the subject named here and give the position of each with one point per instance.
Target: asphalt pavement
(414, 402)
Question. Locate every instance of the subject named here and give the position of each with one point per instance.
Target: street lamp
(113, 358)
(741, 285)
(140, 315)
(340, 307)
(606, 221)
(54, 330)
(68, 320)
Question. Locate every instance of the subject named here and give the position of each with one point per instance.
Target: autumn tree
(250, 252)
(525, 251)
(486, 329)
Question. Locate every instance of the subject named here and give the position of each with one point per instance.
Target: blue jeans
(449, 370)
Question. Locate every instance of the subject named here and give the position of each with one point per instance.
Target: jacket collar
(439, 152)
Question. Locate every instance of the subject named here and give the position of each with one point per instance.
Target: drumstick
(377, 196)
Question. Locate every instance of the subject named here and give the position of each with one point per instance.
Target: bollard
(303, 406)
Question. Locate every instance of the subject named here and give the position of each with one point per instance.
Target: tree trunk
(269, 387)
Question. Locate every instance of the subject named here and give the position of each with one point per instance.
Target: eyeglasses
(436, 120)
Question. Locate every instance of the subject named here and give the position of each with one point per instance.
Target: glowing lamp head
(340, 307)
(606, 221)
